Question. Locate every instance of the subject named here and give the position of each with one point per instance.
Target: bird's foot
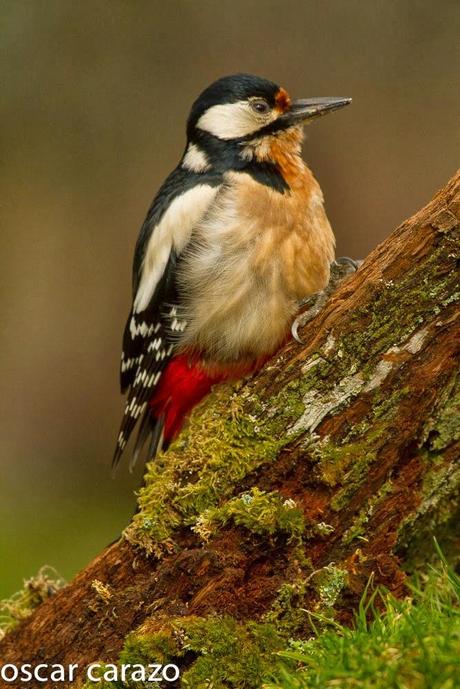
(341, 268)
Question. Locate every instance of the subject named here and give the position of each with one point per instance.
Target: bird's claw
(295, 330)
(341, 268)
(347, 262)
(318, 302)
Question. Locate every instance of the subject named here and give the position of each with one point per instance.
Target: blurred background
(95, 97)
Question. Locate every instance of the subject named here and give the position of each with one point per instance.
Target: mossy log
(290, 491)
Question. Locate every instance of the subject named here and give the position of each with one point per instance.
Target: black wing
(148, 341)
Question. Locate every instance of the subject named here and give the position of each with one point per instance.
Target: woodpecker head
(242, 108)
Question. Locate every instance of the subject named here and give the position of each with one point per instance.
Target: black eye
(260, 106)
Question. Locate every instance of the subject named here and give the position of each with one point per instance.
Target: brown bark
(372, 455)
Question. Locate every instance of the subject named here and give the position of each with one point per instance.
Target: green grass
(413, 644)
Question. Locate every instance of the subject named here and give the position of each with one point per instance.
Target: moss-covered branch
(291, 490)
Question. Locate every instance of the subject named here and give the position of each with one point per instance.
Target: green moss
(37, 589)
(357, 529)
(223, 445)
(345, 463)
(322, 529)
(335, 460)
(217, 652)
(399, 309)
(440, 489)
(439, 499)
(329, 583)
(260, 512)
(418, 546)
(292, 614)
(443, 428)
(287, 611)
(385, 406)
(230, 654)
(158, 647)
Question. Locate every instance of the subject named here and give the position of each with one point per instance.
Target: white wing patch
(232, 120)
(195, 159)
(173, 231)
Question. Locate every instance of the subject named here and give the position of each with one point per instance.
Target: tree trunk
(290, 490)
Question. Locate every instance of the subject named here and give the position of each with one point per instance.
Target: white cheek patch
(230, 120)
(195, 159)
(172, 232)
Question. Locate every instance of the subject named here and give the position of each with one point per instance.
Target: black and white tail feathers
(146, 369)
(147, 349)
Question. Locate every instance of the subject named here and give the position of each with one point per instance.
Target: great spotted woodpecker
(235, 237)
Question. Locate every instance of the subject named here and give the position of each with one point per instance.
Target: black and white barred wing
(148, 338)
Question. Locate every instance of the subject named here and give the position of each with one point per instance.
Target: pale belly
(237, 313)
(255, 255)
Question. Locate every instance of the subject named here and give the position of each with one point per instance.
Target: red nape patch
(282, 100)
(182, 386)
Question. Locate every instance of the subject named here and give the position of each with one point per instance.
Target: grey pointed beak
(309, 108)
